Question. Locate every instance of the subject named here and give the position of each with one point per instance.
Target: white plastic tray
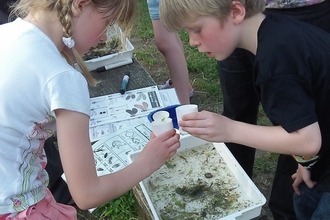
(112, 60)
(250, 191)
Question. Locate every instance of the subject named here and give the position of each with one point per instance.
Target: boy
(241, 103)
(290, 75)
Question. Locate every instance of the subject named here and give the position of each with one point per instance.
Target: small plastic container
(160, 115)
(161, 126)
(182, 110)
(171, 110)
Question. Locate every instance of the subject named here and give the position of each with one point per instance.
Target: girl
(34, 47)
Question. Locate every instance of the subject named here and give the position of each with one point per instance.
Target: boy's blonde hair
(173, 13)
(122, 14)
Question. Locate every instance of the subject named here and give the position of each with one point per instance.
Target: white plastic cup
(160, 115)
(182, 110)
(160, 126)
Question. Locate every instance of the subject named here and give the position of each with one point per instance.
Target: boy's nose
(193, 42)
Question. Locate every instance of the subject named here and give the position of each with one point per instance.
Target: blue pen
(124, 83)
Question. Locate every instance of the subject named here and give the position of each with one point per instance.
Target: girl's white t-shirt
(35, 80)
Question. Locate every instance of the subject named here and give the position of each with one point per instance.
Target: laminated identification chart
(110, 113)
(111, 152)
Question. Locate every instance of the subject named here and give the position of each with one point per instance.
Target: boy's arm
(218, 128)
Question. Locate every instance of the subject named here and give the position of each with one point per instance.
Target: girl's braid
(63, 8)
(64, 12)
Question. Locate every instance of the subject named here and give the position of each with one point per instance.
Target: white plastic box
(248, 191)
(114, 60)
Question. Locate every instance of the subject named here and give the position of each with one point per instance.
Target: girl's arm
(87, 189)
(217, 128)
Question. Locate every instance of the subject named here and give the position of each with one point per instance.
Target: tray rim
(247, 213)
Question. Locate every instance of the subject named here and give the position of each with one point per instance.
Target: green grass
(203, 69)
(266, 163)
(146, 56)
(122, 208)
(205, 79)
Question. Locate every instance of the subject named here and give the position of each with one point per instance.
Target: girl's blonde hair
(174, 13)
(122, 13)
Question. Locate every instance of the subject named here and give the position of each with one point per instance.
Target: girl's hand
(159, 149)
(302, 175)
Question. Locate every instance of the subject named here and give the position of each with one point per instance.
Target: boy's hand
(302, 175)
(205, 125)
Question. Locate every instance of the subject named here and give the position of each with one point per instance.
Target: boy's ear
(238, 12)
(78, 5)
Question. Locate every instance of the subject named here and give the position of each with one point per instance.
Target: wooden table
(110, 81)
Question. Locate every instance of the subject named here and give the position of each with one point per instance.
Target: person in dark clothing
(54, 168)
(4, 11)
(242, 104)
(290, 76)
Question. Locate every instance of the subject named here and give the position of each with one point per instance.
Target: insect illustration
(110, 160)
(143, 107)
(132, 111)
(117, 144)
(116, 165)
(141, 96)
(98, 149)
(131, 135)
(130, 96)
(92, 122)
